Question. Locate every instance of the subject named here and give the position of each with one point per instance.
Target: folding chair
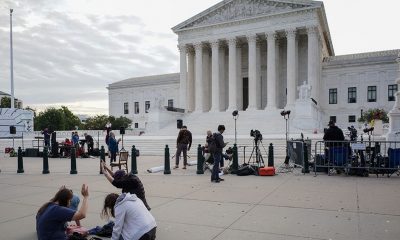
(122, 161)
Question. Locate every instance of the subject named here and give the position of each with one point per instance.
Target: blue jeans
(215, 170)
(74, 202)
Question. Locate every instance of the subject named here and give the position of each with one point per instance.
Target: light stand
(235, 115)
(285, 115)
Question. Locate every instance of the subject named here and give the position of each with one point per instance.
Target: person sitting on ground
(130, 183)
(132, 219)
(52, 217)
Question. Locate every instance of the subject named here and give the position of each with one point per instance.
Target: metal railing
(359, 158)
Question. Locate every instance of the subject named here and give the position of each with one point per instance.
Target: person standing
(46, 136)
(219, 141)
(113, 146)
(89, 142)
(183, 144)
(333, 133)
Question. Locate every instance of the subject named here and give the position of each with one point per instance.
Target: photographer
(352, 133)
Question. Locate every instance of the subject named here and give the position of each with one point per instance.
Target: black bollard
(45, 161)
(270, 155)
(73, 161)
(235, 160)
(133, 160)
(167, 169)
(306, 168)
(200, 160)
(102, 157)
(20, 161)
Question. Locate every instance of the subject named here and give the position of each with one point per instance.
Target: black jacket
(333, 133)
(130, 183)
(219, 139)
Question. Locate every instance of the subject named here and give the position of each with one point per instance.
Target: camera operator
(333, 133)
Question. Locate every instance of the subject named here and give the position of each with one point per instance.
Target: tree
(96, 122)
(51, 118)
(56, 119)
(71, 121)
(6, 102)
(121, 122)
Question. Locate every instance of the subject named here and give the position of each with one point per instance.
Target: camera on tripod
(352, 133)
(367, 130)
(256, 135)
(284, 113)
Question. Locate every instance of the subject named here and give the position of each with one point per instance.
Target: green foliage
(100, 121)
(97, 122)
(374, 114)
(121, 122)
(56, 119)
(6, 102)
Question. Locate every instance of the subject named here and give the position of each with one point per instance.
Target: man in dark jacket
(219, 140)
(333, 133)
(183, 144)
(89, 142)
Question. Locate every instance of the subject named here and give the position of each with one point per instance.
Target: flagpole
(11, 62)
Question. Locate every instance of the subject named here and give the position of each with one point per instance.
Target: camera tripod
(256, 158)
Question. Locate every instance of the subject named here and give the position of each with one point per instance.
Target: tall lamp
(235, 115)
(285, 115)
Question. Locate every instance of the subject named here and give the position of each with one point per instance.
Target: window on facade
(352, 118)
(371, 94)
(136, 125)
(126, 108)
(332, 118)
(136, 107)
(333, 96)
(147, 106)
(392, 89)
(352, 95)
(170, 102)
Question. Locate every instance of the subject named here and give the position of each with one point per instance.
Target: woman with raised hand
(52, 217)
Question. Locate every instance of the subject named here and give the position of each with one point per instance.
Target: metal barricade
(298, 152)
(359, 158)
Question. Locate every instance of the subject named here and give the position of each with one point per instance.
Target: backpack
(212, 143)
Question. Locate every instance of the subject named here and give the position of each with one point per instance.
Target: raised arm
(81, 213)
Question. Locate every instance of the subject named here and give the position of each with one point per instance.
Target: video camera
(352, 133)
(367, 130)
(284, 113)
(256, 134)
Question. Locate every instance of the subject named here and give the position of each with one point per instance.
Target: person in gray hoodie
(132, 219)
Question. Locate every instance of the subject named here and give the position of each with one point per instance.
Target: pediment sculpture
(241, 9)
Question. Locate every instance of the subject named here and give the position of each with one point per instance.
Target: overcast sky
(66, 52)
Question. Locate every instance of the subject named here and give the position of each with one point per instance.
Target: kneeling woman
(52, 217)
(132, 219)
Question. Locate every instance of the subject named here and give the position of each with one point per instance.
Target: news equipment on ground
(256, 158)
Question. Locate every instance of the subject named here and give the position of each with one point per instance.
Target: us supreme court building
(260, 57)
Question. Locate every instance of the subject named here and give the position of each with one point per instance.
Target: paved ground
(188, 206)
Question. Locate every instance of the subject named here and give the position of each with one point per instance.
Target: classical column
(312, 59)
(190, 85)
(251, 39)
(291, 68)
(215, 82)
(271, 71)
(232, 75)
(239, 79)
(198, 47)
(258, 76)
(183, 76)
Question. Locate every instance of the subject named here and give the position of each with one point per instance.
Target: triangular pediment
(228, 11)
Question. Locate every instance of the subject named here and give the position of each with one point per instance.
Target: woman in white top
(132, 219)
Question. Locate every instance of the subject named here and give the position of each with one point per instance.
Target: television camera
(367, 130)
(352, 133)
(256, 135)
